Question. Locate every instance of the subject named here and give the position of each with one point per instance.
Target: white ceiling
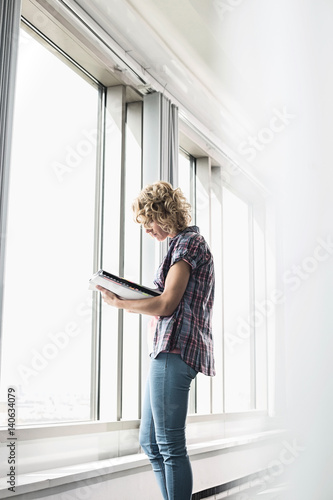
(192, 51)
(232, 63)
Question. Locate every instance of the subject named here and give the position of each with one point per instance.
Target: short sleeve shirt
(189, 328)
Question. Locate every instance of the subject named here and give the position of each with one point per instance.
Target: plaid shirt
(189, 328)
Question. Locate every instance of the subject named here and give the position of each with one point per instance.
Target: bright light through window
(236, 271)
(46, 328)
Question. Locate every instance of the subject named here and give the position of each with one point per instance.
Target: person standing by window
(183, 343)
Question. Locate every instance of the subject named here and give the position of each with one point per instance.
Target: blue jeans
(162, 431)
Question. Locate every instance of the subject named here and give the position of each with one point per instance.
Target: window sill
(44, 480)
(55, 430)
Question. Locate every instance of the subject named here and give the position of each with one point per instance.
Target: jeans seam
(160, 460)
(163, 399)
(164, 428)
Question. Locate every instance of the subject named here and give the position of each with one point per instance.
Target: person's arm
(163, 305)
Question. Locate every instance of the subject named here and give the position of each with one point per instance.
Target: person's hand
(112, 299)
(109, 297)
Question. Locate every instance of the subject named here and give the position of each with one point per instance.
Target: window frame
(251, 291)
(36, 34)
(248, 194)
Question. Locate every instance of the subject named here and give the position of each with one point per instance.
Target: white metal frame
(9, 28)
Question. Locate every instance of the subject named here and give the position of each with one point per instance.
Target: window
(186, 182)
(131, 369)
(186, 178)
(234, 229)
(236, 284)
(244, 315)
(203, 221)
(217, 250)
(46, 328)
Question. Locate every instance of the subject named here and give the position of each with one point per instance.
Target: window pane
(203, 194)
(132, 257)
(263, 309)
(236, 274)
(216, 247)
(46, 329)
(184, 175)
(186, 168)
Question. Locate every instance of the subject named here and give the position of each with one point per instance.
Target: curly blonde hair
(160, 203)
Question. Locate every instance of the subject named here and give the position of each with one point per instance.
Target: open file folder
(123, 288)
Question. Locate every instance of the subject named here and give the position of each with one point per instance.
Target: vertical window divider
(211, 406)
(194, 221)
(222, 305)
(193, 188)
(268, 391)
(9, 30)
(203, 218)
(141, 323)
(111, 322)
(140, 334)
(132, 362)
(252, 310)
(98, 258)
(121, 252)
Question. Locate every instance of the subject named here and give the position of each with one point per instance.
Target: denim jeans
(162, 431)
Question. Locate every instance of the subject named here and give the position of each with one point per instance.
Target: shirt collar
(189, 229)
